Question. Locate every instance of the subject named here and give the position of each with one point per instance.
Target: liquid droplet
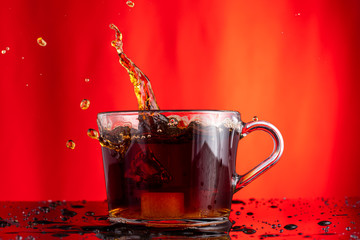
(3, 51)
(68, 213)
(93, 133)
(324, 223)
(7, 48)
(45, 209)
(87, 80)
(248, 230)
(255, 118)
(84, 104)
(70, 144)
(41, 42)
(4, 224)
(238, 202)
(290, 227)
(117, 43)
(130, 3)
(89, 213)
(77, 206)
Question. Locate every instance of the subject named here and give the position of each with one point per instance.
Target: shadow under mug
(175, 169)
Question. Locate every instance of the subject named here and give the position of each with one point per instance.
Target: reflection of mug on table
(176, 169)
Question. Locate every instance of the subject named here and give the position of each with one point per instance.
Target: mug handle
(241, 181)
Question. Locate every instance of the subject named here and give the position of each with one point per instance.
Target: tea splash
(142, 87)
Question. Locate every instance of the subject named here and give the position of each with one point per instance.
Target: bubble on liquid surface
(41, 42)
(70, 144)
(85, 104)
(93, 133)
(130, 3)
(173, 122)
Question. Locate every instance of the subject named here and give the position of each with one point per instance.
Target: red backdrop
(293, 63)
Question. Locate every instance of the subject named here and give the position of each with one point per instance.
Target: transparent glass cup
(175, 169)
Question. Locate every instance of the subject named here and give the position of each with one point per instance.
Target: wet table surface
(318, 218)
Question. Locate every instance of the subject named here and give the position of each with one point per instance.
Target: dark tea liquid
(169, 175)
(162, 170)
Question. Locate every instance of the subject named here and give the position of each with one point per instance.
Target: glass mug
(175, 169)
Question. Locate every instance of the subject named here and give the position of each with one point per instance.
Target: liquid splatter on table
(318, 218)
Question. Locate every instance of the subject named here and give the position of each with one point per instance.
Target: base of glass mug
(192, 225)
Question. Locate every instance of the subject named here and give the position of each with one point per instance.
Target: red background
(292, 63)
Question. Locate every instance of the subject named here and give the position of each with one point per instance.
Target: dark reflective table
(252, 219)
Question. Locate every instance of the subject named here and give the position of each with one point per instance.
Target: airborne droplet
(85, 104)
(87, 80)
(3, 51)
(93, 133)
(130, 3)
(70, 144)
(255, 118)
(41, 42)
